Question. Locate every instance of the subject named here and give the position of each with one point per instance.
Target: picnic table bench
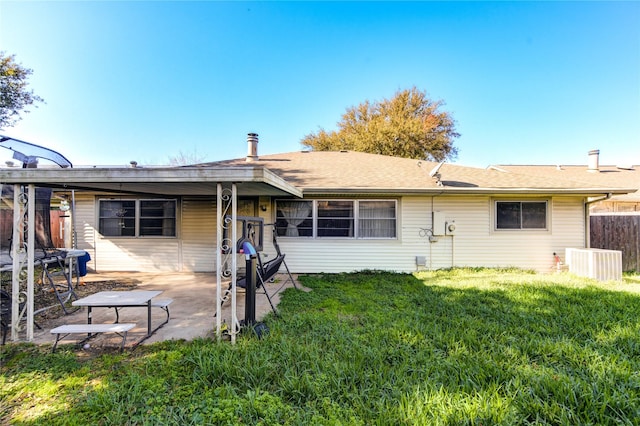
(155, 303)
(115, 300)
(64, 330)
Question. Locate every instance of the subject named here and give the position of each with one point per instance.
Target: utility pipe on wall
(587, 221)
(430, 241)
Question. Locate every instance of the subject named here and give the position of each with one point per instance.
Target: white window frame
(137, 217)
(355, 219)
(547, 203)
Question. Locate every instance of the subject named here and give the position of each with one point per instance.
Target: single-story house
(330, 211)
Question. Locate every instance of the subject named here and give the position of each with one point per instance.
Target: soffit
(250, 181)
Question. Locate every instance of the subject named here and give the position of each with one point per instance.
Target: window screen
(521, 215)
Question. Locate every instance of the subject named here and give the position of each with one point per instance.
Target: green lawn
(482, 347)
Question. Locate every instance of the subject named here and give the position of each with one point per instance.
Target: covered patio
(200, 293)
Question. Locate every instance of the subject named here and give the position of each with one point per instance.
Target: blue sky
(527, 82)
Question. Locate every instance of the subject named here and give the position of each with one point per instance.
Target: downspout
(430, 236)
(74, 231)
(587, 220)
(430, 242)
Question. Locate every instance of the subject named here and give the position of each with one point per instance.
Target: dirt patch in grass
(83, 290)
(46, 302)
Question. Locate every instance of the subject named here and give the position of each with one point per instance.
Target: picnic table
(120, 299)
(116, 300)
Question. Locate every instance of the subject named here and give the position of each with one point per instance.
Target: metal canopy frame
(23, 246)
(28, 152)
(225, 184)
(23, 256)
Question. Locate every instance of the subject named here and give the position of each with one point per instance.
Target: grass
(461, 346)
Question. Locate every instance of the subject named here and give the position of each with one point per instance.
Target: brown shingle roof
(348, 171)
(610, 176)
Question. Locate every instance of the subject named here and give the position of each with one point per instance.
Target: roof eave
(92, 178)
(469, 191)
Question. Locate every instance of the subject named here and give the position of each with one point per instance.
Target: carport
(226, 184)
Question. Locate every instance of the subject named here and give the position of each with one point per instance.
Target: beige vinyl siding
(344, 255)
(193, 250)
(568, 224)
(468, 246)
(84, 213)
(474, 244)
(138, 254)
(198, 235)
(122, 254)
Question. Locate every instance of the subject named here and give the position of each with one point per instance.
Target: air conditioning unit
(599, 264)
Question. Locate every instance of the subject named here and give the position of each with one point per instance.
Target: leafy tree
(14, 96)
(407, 125)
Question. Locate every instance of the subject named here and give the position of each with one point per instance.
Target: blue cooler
(82, 264)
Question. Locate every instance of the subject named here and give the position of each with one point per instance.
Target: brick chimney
(252, 146)
(594, 160)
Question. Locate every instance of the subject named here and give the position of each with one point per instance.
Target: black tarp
(42, 219)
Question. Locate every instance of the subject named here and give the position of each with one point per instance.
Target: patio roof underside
(242, 181)
(185, 181)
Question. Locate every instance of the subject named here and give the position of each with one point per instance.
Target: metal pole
(234, 261)
(17, 256)
(74, 235)
(31, 243)
(219, 231)
(250, 290)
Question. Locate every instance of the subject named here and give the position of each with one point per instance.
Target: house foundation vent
(598, 264)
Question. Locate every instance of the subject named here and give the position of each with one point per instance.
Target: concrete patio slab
(192, 311)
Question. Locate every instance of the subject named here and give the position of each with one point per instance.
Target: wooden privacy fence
(618, 233)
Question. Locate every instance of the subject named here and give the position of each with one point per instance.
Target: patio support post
(219, 229)
(31, 243)
(18, 260)
(23, 219)
(234, 261)
(226, 203)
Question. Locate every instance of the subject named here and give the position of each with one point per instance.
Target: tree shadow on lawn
(382, 347)
(547, 340)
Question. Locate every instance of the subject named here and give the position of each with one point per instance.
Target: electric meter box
(450, 227)
(438, 223)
